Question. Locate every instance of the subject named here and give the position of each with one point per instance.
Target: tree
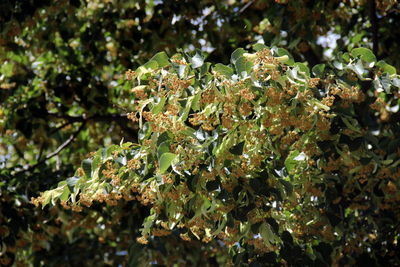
(255, 159)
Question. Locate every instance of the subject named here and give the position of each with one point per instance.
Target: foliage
(258, 155)
(63, 95)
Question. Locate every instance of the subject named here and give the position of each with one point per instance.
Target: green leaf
(159, 106)
(386, 67)
(224, 70)
(303, 68)
(189, 132)
(290, 162)
(161, 58)
(7, 69)
(71, 182)
(318, 70)
(396, 82)
(185, 112)
(165, 161)
(181, 70)
(237, 54)
(364, 53)
(151, 65)
(197, 61)
(282, 52)
(163, 148)
(146, 69)
(46, 196)
(259, 47)
(358, 68)
(204, 69)
(65, 195)
(87, 167)
(267, 234)
(243, 66)
(196, 102)
(144, 131)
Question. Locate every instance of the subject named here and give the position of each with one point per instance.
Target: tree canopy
(199, 133)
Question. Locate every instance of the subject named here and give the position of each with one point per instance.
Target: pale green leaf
(165, 161)
(161, 58)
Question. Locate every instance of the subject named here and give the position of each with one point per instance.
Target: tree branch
(58, 150)
(65, 144)
(121, 119)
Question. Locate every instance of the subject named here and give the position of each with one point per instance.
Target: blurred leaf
(165, 161)
(224, 70)
(161, 58)
(364, 53)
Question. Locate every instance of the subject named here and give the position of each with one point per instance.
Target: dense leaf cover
(265, 158)
(258, 155)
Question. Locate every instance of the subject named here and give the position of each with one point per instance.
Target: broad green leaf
(243, 66)
(386, 67)
(163, 148)
(165, 161)
(146, 69)
(237, 54)
(290, 162)
(71, 182)
(151, 65)
(65, 195)
(204, 69)
(159, 106)
(46, 196)
(303, 68)
(87, 167)
(161, 58)
(224, 70)
(196, 102)
(364, 53)
(259, 47)
(267, 234)
(189, 132)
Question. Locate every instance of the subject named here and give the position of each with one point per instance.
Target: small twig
(66, 143)
(40, 152)
(121, 119)
(55, 152)
(246, 6)
(60, 127)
